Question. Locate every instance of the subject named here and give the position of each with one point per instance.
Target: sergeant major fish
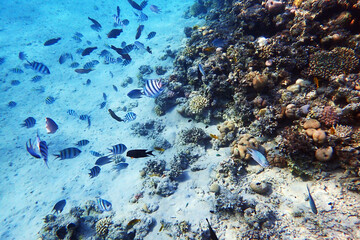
(39, 67)
(138, 31)
(94, 171)
(68, 153)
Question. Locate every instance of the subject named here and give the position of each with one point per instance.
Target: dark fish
(125, 22)
(151, 35)
(51, 126)
(123, 44)
(102, 105)
(49, 100)
(59, 206)
(74, 65)
(16, 70)
(82, 142)
(136, 93)
(115, 88)
(212, 233)
(36, 78)
(68, 153)
(155, 9)
(95, 23)
(29, 122)
(44, 151)
(83, 71)
(64, 57)
(114, 33)
(130, 116)
(83, 117)
(94, 171)
(139, 153)
(114, 116)
(104, 96)
(88, 82)
(103, 160)
(22, 56)
(118, 149)
(51, 41)
(78, 34)
(87, 51)
(153, 88)
(32, 150)
(39, 67)
(138, 31)
(311, 201)
(2, 60)
(95, 154)
(135, 5)
(72, 112)
(103, 204)
(15, 82)
(11, 104)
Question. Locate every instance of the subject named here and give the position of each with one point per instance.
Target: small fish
(88, 82)
(142, 17)
(189, 120)
(11, 104)
(136, 93)
(96, 24)
(153, 88)
(118, 149)
(139, 153)
(29, 122)
(104, 53)
(130, 116)
(125, 22)
(114, 116)
(132, 223)
(103, 204)
(155, 8)
(120, 165)
(2, 60)
(162, 227)
(115, 88)
(59, 206)
(32, 149)
(311, 201)
(214, 136)
(83, 71)
(103, 160)
(44, 151)
(51, 41)
(49, 100)
(159, 149)
(22, 56)
(201, 71)
(109, 59)
(77, 38)
(114, 33)
(64, 57)
(15, 82)
(74, 65)
(95, 154)
(87, 51)
(258, 157)
(68, 153)
(94, 171)
(212, 233)
(102, 105)
(50, 125)
(139, 45)
(72, 112)
(78, 34)
(135, 5)
(104, 96)
(82, 143)
(36, 78)
(151, 35)
(138, 31)
(209, 50)
(16, 70)
(88, 65)
(37, 66)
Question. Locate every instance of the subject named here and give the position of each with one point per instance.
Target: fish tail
(46, 164)
(57, 156)
(150, 153)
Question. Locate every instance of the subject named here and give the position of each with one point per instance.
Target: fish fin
(150, 153)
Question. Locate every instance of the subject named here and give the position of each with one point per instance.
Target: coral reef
(102, 226)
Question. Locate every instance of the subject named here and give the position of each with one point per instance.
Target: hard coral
(329, 116)
(197, 104)
(102, 226)
(326, 64)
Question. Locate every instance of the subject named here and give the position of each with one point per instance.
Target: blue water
(28, 188)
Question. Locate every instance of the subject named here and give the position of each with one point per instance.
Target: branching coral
(329, 116)
(102, 226)
(197, 104)
(326, 64)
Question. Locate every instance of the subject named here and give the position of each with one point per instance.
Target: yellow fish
(316, 81)
(161, 228)
(159, 149)
(132, 223)
(214, 136)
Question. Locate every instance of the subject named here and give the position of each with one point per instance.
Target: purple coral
(329, 116)
(274, 6)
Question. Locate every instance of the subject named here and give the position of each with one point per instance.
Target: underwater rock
(239, 147)
(311, 123)
(151, 128)
(197, 8)
(260, 187)
(160, 70)
(329, 116)
(215, 188)
(227, 132)
(275, 6)
(165, 187)
(192, 135)
(261, 216)
(324, 154)
(155, 167)
(319, 136)
(145, 70)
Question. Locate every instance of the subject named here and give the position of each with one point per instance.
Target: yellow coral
(197, 104)
(102, 226)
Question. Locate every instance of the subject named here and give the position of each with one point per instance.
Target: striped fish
(39, 67)
(68, 153)
(49, 100)
(130, 116)
(103, 204)
(95, 154)
(76, 38)
(102, 105)
(82, 142)
(109, 59)
(94, 171)
(16, 70)
(12, 104)
(22, 56)
(64, 57)
(74, 65)
(84, 117)
(72, 112)
(36, 78)
(29, 122)
(118, 149)
(15, 82)
(151, 35)
(44, 151)
(153, 88)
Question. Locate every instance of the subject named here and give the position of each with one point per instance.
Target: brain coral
(326, 64)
